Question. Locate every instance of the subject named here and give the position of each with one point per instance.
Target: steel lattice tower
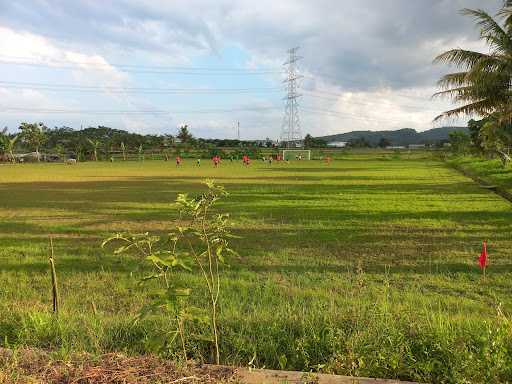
(290, 132)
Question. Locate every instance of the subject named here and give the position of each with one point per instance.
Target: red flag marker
(482, 260)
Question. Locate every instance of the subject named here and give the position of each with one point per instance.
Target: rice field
(366, 266)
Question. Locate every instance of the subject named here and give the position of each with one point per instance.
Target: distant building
(395, 147)
(416, 146)
(337, 144)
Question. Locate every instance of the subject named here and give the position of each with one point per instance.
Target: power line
(310, 110)
(140, 90)
(138, 66)
(131, 112)
(142, 69)
(162, 113)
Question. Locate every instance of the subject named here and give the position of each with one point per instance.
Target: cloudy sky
(149, 66)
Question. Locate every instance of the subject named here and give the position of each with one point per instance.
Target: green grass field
(367, 266)
(490, 170)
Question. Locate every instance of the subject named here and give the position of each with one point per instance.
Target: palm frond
(506, 14)
(452, 92)
(484, 85)
(460, 57)
(456, 79)
(490, 29)
(480, 108)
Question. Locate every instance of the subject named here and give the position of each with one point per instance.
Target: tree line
(101, 143)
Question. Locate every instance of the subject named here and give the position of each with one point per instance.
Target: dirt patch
(35, 366)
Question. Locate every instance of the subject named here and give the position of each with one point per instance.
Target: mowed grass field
(367, 266)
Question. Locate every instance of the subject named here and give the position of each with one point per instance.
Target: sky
(149, 66)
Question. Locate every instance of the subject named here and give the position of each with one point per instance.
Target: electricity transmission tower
(290, 132)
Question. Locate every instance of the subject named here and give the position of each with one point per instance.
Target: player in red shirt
(178, 161)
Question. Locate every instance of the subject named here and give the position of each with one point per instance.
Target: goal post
(296, 154)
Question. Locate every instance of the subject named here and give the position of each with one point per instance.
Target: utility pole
(238, 130)
(290, 132)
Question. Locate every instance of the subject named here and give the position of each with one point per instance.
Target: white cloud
(86, 70)
(369, 52)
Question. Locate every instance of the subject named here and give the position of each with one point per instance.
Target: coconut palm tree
(484, 80)
(95, 145)
(483, 84)
(8, 143)
(10, 147)
(123, 149)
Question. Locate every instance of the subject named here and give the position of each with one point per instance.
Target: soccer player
(178, 161)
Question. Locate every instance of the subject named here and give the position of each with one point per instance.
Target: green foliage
(102, 143)
(184, 135)
(460, 142)
(312, 142)
(123, 150)
(474, 127)
(7, 144)
(496, 137)
(4, 138)
(33, 135)
(216, 152)
(489, 170)
(383, 143)
(60, 150)
(202, 241)
(95, 144)
(360, 142)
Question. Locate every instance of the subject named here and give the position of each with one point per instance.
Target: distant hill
(403, 136)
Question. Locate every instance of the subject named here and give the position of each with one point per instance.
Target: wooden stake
(55, 290)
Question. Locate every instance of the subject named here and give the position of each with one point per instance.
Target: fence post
(55, 289)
